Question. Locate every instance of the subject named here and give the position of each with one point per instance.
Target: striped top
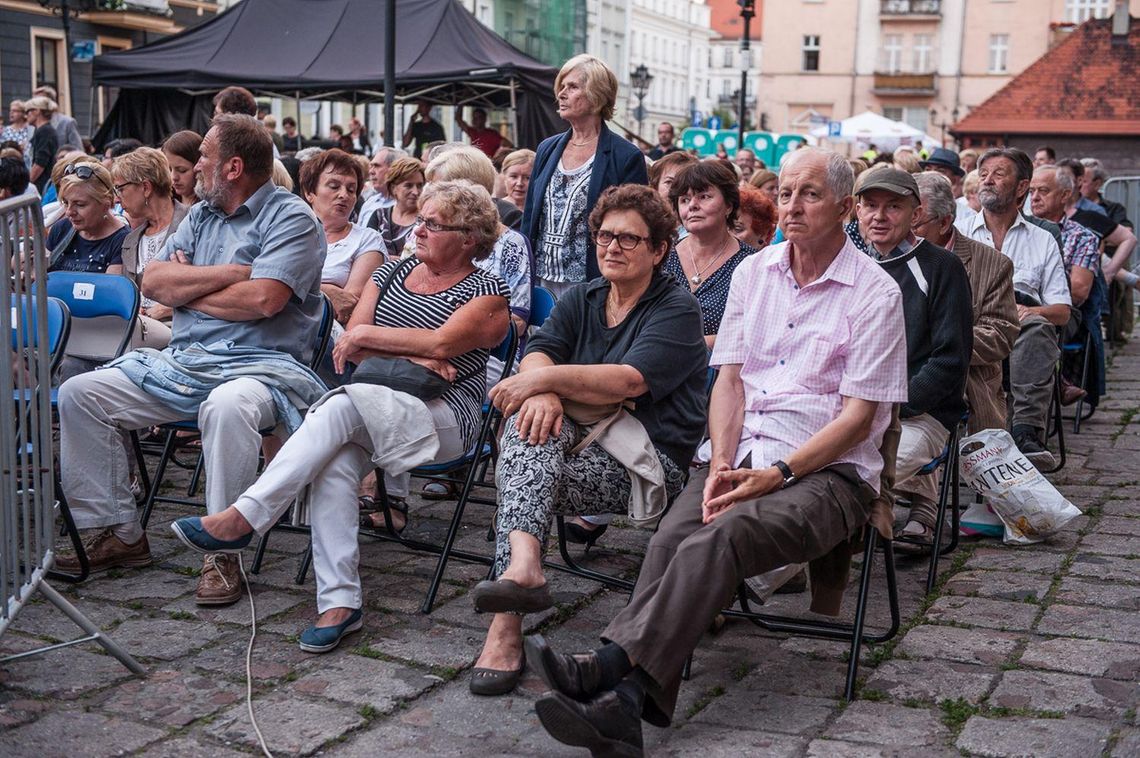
(401, 308)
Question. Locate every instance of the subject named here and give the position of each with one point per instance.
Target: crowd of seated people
(831, 296)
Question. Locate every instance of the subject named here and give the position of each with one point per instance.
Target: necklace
(615, 317)
(583, 144)
(697, 271)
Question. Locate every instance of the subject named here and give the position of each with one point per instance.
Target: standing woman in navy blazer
(571, 170)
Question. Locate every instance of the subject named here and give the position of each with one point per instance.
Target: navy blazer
(616, 161)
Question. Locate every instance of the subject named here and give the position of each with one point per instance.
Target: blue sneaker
(322, 639)
(190, 531)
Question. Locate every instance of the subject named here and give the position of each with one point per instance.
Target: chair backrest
(328, 318)
(105, 308)
(507, 347)
(541, 304)
(25, 334)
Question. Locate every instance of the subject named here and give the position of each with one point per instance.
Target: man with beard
(242, 273)
(1040, 288)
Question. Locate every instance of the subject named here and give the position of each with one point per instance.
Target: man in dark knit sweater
(937, 306)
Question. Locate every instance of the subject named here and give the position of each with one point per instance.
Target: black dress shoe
(603, 725)
(505, 596)
(576, 676)
(580, 535)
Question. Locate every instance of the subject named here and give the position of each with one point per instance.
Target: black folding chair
(189, 428)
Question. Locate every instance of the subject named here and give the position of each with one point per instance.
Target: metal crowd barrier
(1126, 191)
(27, 466)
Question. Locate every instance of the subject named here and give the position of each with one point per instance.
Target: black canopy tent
(325, 50)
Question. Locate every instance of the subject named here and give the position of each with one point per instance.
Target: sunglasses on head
(85, 172)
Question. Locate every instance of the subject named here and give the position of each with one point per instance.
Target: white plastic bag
(1028, 504)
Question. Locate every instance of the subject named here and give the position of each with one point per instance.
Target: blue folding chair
(948, 497)
(328, 317)
(1085, 349)
(541, 304)
(96, 302)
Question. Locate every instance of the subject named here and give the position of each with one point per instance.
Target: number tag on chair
(83, 291)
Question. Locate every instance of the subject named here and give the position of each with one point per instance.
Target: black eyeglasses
(119, 187)
(85, 172)
(625, 240)
(434, 226)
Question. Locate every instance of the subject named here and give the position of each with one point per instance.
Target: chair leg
(306, 561)
(1085, 365)
(860, 613)
(259, 554)
(687, 671)
(140, 461)
(167, 452)
(73, 535)
(452, 533)
(196, 478)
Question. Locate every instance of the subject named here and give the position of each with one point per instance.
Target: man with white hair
(995, 325)
(812, 355)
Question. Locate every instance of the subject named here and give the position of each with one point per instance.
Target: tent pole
(514, 116)
(297, 104)
(390, 73)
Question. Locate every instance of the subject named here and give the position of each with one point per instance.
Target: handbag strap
(596, 430)
(59, 250)
(387, 285)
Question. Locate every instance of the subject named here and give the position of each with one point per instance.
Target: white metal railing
(27, 468)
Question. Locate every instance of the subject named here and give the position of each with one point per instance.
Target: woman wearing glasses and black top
(629, 336)
(89, 237)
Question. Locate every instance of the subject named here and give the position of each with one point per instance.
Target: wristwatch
(786, 471)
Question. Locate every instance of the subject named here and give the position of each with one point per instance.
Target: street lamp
(747, 11)
(945, 123)
(640, 79)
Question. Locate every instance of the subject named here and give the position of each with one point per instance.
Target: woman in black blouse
(706, 198)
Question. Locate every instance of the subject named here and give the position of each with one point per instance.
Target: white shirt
(341, 255)
(1038, 269)
(371, 204)
(963, 213)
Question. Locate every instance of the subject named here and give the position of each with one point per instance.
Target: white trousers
(923, 439)
(96, 406)
(330, 454)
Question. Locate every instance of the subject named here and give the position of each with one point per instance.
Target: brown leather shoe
(106, 551)
(220, 582)
(1071, 393)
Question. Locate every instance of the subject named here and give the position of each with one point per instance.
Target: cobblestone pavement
(1021, 651)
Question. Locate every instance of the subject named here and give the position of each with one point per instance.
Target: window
(923, 54)
(1079, 11)
(108, 95)
(728, 57)
(49, 67)
(999, 53)
(915, 116)
(892, 112)
(892, 53)
(811, 52)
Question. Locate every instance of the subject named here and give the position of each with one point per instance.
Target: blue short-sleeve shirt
(279, 237)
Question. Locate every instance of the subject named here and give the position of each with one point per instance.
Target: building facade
(925, 62)
(33, 48)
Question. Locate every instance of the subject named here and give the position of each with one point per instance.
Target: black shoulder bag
(399, 374)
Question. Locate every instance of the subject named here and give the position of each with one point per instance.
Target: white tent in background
(871, 128)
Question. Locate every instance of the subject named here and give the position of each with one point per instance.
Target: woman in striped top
(436, 309)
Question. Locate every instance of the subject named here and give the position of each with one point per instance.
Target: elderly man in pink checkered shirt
(812, 355)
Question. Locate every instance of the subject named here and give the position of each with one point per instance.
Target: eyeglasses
(119, 187)
(85, 172)
(625, 240)
(434, 226)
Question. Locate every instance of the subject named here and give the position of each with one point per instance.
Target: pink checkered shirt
(801, 351)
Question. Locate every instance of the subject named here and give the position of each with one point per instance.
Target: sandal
(437, 490)
(396, 505)
(492, 682)
(914, 538)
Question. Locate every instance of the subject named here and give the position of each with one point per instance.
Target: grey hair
(464, 203)
(389, 154)
(936, 193)
(840, 175)
(1062, 176)
(1096, 167)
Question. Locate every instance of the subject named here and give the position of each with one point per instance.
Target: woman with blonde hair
(516, 171)
(570, 172)
(88, 238)
(143, 184)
